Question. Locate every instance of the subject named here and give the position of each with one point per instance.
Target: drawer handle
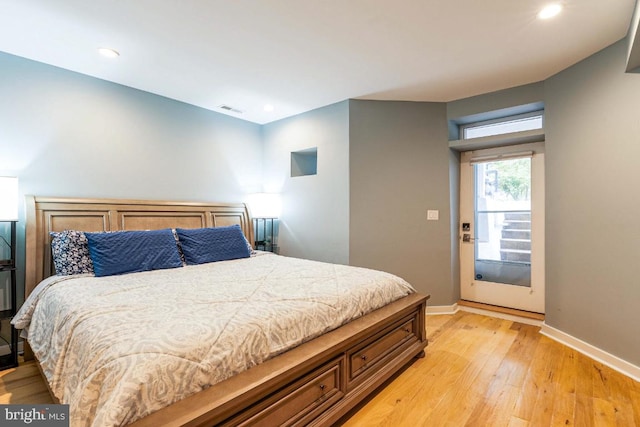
(363, 357)
(322, 387)
(407, 330)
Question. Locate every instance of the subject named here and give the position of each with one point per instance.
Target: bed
(310, 377)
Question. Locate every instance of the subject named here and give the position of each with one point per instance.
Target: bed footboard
(316, 383)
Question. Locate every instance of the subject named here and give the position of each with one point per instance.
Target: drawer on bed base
(300, 402)
(365, 358)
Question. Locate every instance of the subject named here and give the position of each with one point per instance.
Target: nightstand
(265, 231)
(8, 348)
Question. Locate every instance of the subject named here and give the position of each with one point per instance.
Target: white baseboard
(614, 362)
(442, 309)
(454, 308)
(499, 315)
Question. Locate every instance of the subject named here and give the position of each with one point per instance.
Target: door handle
(466, 237)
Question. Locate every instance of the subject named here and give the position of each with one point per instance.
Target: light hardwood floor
(483, 371)
(23, 385)
(478, 371)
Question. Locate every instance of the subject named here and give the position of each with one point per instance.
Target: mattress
(118, 348)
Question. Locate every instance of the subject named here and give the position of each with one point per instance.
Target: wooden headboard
(46, 214)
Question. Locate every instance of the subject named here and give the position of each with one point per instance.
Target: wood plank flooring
(23, 385)
(483, 371)
(478, 371)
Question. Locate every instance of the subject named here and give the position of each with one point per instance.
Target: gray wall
(593, 202)
(66, 134)
(315, 209)
(492, 105)
(399, 168)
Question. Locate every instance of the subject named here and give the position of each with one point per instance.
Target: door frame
(512, 296)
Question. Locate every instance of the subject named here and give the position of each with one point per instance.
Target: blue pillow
(131, 251)
(202, 245)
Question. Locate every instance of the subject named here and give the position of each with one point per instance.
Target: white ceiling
(303, 54)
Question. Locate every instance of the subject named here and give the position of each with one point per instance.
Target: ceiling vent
(230, 109)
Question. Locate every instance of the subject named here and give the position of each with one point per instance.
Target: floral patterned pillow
(175, 236)
(70, 251)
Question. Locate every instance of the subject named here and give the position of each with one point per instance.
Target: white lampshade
(265, 205)
(8, 198)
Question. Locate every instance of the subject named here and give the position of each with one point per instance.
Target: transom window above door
(519, 123)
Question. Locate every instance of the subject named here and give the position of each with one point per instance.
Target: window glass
(503, 221)
(507, 125)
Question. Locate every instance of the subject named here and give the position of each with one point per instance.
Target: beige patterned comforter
(121, 347)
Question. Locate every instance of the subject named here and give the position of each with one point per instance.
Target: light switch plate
(433, 215)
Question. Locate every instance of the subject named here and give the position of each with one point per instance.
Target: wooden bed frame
(315, 383)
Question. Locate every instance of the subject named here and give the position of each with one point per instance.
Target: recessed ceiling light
(268, 108)
(109, 53)
(550, 11)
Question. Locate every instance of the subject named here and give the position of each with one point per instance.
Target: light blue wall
(66, 134)
(315, 208)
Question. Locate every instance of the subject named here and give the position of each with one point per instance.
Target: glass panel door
(503, 221)
(502, 226)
